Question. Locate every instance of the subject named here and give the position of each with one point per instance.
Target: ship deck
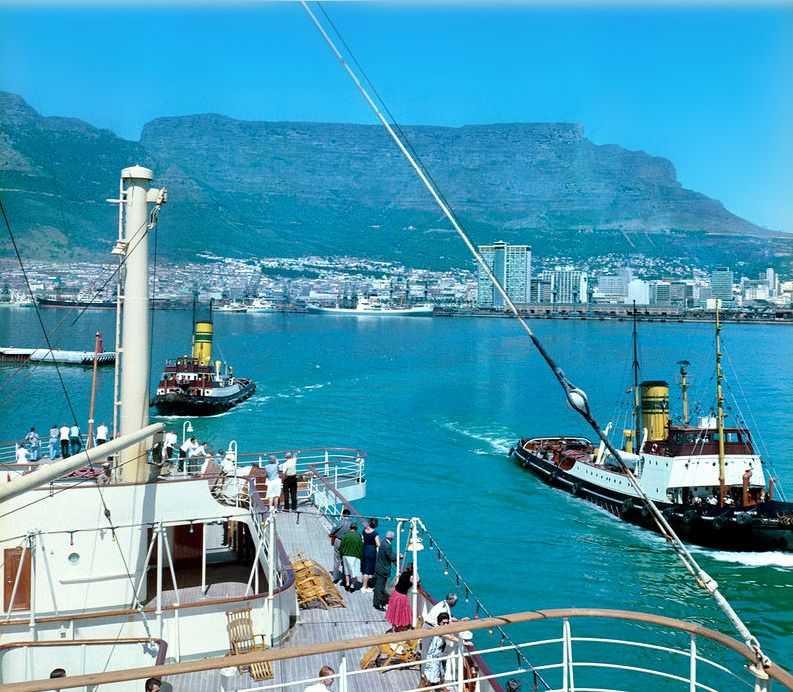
(316, 625)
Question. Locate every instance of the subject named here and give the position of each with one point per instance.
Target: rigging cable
(576, 397)
(36, 307)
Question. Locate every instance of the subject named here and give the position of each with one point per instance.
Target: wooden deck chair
(214, 476)
(401, 652)
(309, 593)
(243, 641)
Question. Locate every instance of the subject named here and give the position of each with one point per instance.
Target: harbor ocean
(437, 404)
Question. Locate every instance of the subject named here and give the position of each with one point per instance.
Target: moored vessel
(366, 307)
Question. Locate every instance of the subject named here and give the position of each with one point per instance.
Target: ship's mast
(684, 388)
(637, 421)
(134, 413)
(719, 407)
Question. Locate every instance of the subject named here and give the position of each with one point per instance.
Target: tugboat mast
(684, 388)
(719, 407)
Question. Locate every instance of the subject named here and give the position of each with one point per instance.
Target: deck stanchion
(204, 558)
(32, 543)
(692, 671)
(343, 673)
(158, 610)
(271, 576)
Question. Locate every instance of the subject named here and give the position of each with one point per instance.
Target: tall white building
(511, 265)
(568, 285)
(638, 292)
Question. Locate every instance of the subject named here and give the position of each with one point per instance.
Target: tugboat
(194, 386)
(707, 479)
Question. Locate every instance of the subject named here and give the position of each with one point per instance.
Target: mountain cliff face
(277, 188)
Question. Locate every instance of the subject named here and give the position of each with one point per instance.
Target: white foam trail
(497, 441)
(769, 559)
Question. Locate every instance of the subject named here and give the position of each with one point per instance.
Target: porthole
(73, 558)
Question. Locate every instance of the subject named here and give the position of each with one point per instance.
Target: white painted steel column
(343, 673)
(158, 609)
(271, 576)
(415, 597)
(399, 561)
(203, 558)
(135, 322)
(32, 625)
(692, 669)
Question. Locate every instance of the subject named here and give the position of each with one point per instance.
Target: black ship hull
(178, 404)
(67, 303)
(762, 527)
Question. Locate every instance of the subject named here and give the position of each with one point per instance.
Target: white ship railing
(621, 676)
(682, 656)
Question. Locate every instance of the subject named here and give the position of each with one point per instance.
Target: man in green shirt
(351, 550)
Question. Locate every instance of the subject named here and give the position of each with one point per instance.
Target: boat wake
(769, 559)
(497, 441)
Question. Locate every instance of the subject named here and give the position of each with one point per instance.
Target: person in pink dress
(399, 611)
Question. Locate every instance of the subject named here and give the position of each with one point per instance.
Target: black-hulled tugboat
(707, 479)
(195, 386)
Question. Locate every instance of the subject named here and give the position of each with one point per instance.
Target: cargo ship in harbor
(366, 308)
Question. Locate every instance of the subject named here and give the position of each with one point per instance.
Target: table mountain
(293, 188)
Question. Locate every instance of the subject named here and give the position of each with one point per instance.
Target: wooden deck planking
(307, 533)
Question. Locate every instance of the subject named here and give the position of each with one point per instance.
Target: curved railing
(737, 668)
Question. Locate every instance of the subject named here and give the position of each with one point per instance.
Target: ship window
(690, 438)
(716, 437)
(73, 558)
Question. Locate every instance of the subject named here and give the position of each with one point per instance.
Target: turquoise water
(437, 404)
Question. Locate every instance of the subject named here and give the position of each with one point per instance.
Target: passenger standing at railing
(22, 453)
(101, 434)
(273, 482)
(184, 452)
(289, 475)
(339, 529)
(382, 571)
(64, 432)
(169, 444)
(54, 436)
(34, 441)
(75, 443)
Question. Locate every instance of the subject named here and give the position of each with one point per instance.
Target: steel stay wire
(151, 222)
(576, 397)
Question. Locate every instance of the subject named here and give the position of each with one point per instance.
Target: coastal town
(542, 286)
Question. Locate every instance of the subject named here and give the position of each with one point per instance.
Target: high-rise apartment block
(721, 282)
(568, 285)
(511, 265)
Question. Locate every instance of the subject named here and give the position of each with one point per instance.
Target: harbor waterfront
(437, 404)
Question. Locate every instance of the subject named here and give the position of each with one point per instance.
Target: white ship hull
(377, 311)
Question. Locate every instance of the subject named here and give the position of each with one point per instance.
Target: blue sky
(707, 87)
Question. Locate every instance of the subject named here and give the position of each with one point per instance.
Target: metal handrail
(773, 671)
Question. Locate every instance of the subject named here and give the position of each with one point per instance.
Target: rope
(576, 397)
(36, 307)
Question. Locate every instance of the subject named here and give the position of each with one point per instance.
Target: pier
(10, 354)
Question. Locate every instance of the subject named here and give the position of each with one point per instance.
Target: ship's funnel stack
(655, 408)
(202, 342)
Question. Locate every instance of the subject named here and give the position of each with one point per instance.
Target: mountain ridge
(282, 187)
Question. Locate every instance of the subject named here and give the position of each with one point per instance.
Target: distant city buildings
(511, 265)
(721, 282)
(568, 285)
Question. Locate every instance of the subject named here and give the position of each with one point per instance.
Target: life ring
(654, 447)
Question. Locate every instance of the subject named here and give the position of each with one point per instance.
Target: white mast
(134, 413)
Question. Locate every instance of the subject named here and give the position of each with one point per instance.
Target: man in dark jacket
(339, 529)
(382, 571)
